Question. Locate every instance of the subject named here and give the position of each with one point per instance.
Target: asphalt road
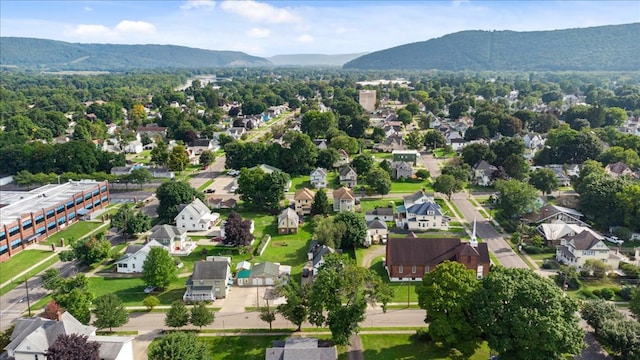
(496, 244)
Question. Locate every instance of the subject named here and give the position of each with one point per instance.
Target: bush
(150, 302)
(625, 292)
(66, 255)
(606, 293)
(550, 265)
(587, 293)
(631, 271)
(529, 249)
(422, 334)
(597, 293)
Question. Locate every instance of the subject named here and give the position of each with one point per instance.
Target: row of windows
(40, 230)
(103, 189)
(4, 249)
(15, 243)
(3, 236)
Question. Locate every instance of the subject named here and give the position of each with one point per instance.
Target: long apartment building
(29, 216)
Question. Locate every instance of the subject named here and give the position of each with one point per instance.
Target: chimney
(59, 315)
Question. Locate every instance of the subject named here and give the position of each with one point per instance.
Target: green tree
(159, 269)
(320, 205)
(51, 279)
(77, 302)
(141, 176)
(596, 312)
(171, 195)
(330, 233)
(5, 336)
(516, 166)
(178, 159)
(516, 197)
(621, 335)
(295, 309)
(24, 178)
(301, 153)
(447, 295)
(327, 157)
(262, 190)
(472, 154)
(130, 221)
(109, 312)
(317, 124)
(379, 180)
(414, 140)
(362, 164)
(92, 249)
(150, 302)
(355, 229)
(267, 315)
(447, 184)
(160, 154)
(634, 304)
(201, 315)
(544, 180)
(594, 268)
(345, 142)
(434, 139)
(423, 174)
(206, 158)
(178, 315)
(178, 345)
(524, 316)
(404, 116)
(339, 296)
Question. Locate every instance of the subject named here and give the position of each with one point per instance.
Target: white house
(34, 335)
(577, 249)
(377, 232)
(384, 214)
(555, 231)
(421, 212)
(196, 217)
(319, 178)
(482, 173)
(134, 256)
(268, 274)
(316, 254)
(344, 200)
(173, 238)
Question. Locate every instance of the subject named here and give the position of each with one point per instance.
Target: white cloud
(306, 38)
(256, 11)
(207, 5)
(87, 8)
(258, 33)
(86, 30)
(128, 26)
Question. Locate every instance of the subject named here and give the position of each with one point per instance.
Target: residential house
(533, 141)
(134, 256)
(483, 173)
(408, 259)
(196, 217)
(288, 222)
(301, 348)
(391, 143)
(198, 146)
(377, 232)
(319, 178)
(172, 237)
(384, 214)
(618, 169)
(575, 250)
(343, 158)
(348, 177)
(303, 200)
(555, 231)
(344, 200)
(561, 176)
(410, 156)
(243, 270)
(573, 170)
(162, 172)
(401, 170)
(321, 144)
(210, 280)
(268, 274)
(455, 140)
(236, 132)
(268, 169)
(425, 216)
(152, 131)
(32, 337)
(316, 254)
(550, 213)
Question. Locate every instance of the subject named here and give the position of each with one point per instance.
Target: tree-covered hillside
(614, 47)
(59, 55)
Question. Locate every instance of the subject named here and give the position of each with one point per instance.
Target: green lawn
(33, 272)
(75, 232)
(439, 153)
(410, 186)
(300, 182)
(21, 262)
(205, 185)
(370, 204)
(131, 290)
(143, 158)
(408, 347)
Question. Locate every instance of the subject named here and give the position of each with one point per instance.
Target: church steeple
(474, 239)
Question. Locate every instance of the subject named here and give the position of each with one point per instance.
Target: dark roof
(318, 251)
(584, 240)
(346, 170)
(618, 167)
(376, 224)
(208, 270)
(201, 142)
(431, 251)
(424, 208)
(380, 212)
(132, 249)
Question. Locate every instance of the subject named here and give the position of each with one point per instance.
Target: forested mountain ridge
(613, 47)
(60, 55)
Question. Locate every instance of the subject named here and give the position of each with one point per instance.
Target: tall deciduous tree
(159, 269)
(201, 315)
(73, 347)
(434, 139)
(262, 190)
(622, 337)
(206, 158)
(355, 229)
(237, 230)
(92, 249)
(476, 152)
(178, 159)
(316, 124)
(379, 180)
(160, 154)
(295, 309)
(516, 197)
(596, 312)
(320, 205)
(447, 294)
(414, 140)
(634, 304)
(178, 345)
(109, 312)
(362, 164)
(524, 316)
(130, 221)
(267, 315)
(447, 184)
(178, 315)
(544, 180)
(171, 195)
(140, 176)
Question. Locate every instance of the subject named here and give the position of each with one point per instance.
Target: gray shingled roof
(583, 241)
(209, 270)
(424, 208)
(345, 171)
(165, 232)
(265, 270)
(376, 224)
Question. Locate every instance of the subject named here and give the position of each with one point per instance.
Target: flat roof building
(29, 216)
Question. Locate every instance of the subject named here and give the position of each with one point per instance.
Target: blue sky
(266, 28)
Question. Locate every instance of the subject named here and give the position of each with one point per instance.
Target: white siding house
(134, 257)
(196, 217)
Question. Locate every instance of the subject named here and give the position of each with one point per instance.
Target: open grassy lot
(410, 186)
(37, 270)
(440, 153)
(131, 290)
(402, 290)
(588, 286)
(142, 158)
(370, 204)
(75, 231)
(21, 262)
(239, 347)
(300, 182)
(408, 347)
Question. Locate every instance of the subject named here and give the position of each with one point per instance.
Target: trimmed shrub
(587, 293)
(607, 293)
(625, 292)
(596, 292)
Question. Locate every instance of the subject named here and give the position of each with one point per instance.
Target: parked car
(615, 240)
(210, 191)
(149, 289)
(305, 272)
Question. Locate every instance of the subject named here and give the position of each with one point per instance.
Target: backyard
(74, 232)
(131, 290)
(409, 347)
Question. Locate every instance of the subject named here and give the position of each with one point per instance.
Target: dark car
(210, 191)
(305, 272)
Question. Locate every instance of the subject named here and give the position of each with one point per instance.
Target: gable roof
(431, 251)
(343, 193)
(208, 270)
(343, 153)
(484, 167)
(414, 197)
(551, 210)
(380, 212)
(288, 213)
(265, 269)
(135, 250)
(196, 207)
(319, 172)
(401, 165)
(317, 251)
(304, 194)
(376, 224)
(166, 232)
(346, 170)
(424, 208)
(300, 349)
(583, 241)
(617, 168)
(558, 229)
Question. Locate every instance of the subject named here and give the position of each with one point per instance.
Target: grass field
(410, 186)
(300, 182)
(402, 290)
(131, 290)
(37, 270)
(21, 262)
(75, 232)
(408, 347)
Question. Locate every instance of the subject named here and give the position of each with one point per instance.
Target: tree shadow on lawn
(240, 347)
(420, 349)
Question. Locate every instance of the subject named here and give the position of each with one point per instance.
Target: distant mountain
(614, 47)
(312, 59)
(59, 55)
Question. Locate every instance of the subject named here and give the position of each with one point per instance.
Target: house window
(479, 271)
(413, 269)
(401, 269)
(133, 266)
(182, 217)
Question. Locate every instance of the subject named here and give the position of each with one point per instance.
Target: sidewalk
(24, 273)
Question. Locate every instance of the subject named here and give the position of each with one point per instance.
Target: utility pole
(26, 286)
(408, 293)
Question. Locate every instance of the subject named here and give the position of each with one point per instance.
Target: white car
(615, 240)
(149, 289)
